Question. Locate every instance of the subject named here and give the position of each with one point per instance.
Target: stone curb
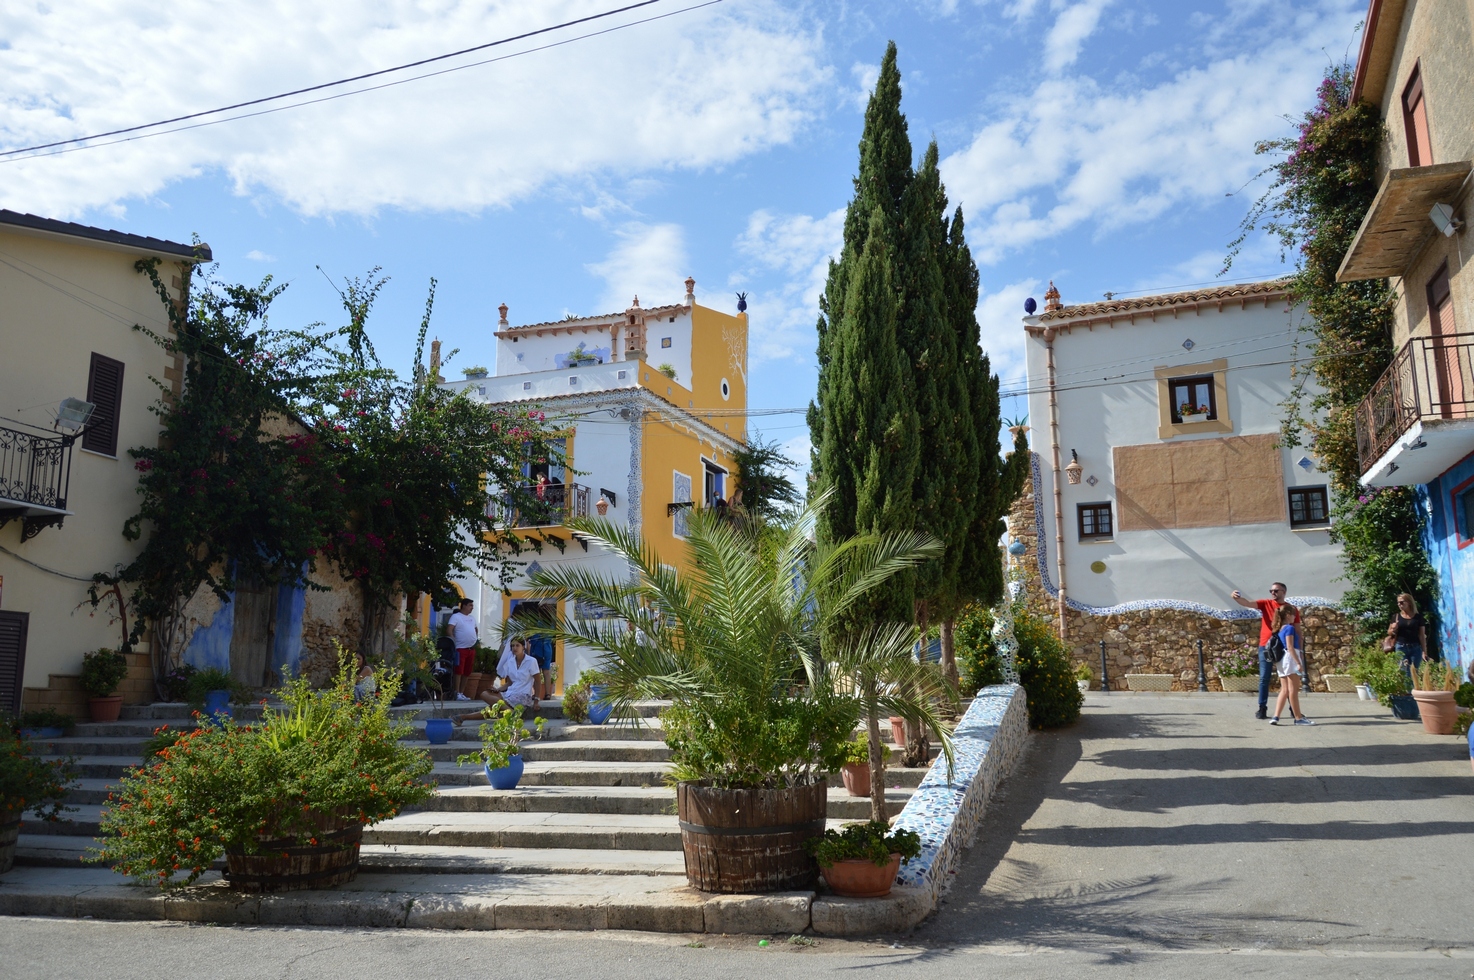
(481, 902)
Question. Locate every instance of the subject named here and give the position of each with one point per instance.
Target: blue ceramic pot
(438, 730)
(507, 776)
(217, 704)
(599, 710)
(1404, 707)
(41, 733)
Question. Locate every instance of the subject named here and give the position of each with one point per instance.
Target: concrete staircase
(592, 800)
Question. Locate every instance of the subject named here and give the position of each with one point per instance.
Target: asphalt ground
(1161, 837)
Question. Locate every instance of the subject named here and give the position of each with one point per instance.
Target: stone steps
(654, 800)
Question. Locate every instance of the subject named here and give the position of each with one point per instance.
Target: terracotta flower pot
(856, 778)
(105, 709)
(860, 878)
(1438, 711)
(898, 730)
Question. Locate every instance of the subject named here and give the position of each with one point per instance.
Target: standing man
(1266, 609)
(463, 634)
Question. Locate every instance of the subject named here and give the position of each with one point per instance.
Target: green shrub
(102, 671)
(46, 718)
(29, 782)
(501, 738)
(1044, 668)
(1464, 696)
(1381, 671)
(873, 840)
(1243, 662)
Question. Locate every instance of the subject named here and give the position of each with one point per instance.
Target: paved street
(1160, 837)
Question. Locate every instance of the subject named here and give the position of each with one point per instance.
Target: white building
(652, 406)
(1174, 509)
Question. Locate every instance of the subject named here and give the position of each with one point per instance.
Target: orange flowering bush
(326, 756)
(29, 782)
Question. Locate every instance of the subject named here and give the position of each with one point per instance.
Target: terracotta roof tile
(1164, 300)
(600, 318)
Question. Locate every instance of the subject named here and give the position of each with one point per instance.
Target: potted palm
(102, 671)
(28, 784)
(501, 738)
(758, 717)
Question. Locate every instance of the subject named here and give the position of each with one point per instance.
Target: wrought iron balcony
(35, 474)
(1424, 399)
(553, 504)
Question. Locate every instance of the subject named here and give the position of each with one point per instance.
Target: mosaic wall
(987, 742)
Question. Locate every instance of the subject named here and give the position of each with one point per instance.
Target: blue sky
(1092, 142)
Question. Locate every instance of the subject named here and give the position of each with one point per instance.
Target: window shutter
(105, 392)
(13, 628)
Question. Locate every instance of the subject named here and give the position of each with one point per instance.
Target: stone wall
(1164, 641)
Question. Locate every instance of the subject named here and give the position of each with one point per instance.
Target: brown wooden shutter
(13, 628)
(105, 392)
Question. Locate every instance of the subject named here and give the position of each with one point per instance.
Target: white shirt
(462, 630)
(520, 675)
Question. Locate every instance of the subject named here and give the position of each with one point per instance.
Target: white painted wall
(1107, 394)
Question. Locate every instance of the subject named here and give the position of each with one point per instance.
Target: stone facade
(1164, 640)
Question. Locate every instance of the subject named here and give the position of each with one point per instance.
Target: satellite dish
(1030, 306)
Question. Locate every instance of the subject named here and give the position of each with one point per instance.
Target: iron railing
(552, 505)
(1430, 378)
(34, 469)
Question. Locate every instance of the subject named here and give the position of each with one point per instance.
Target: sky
(1104, 145)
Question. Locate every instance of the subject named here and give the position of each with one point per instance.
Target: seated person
(365, 685)
(520, 672)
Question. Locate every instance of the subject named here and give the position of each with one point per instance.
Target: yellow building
(653, 405)
(71, 299)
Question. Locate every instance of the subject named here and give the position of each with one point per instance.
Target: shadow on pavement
(1170, 792)
(1249, 832)
(1289, 757)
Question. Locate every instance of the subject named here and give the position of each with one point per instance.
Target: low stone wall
(946, 813)
(1165, 640)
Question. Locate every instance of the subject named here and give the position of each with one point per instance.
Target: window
(1463, 500)
(1309, 507)
(1193, 399)
(1095, 521)
(716, 483)
(105, 392)
(1415, 121)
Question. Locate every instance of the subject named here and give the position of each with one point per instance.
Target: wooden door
(254, 634)
(13, 629)
(1451, 359)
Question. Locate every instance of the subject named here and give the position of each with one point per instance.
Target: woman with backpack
(1286, 646)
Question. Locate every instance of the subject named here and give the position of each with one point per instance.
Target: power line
(72, 145)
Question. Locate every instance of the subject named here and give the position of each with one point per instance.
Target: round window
(726, 390)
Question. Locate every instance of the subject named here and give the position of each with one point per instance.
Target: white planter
(1339, 683)
(1150, 682)
(1241, 685)
(1084, 686)
(1364, 692)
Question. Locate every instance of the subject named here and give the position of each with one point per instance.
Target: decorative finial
(636, 304)
(1051, 299)
(503, 311)
(741, 302)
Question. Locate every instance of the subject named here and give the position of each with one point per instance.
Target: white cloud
(1075, 152)
(797, 248)
(1074, 24)
(256, 255)
(692, 91)
(1001, 329)
(648, 261)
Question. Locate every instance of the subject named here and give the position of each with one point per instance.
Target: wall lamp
(1443, 219)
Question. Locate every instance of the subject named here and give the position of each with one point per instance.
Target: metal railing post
(1202, 673)
(1105, 684)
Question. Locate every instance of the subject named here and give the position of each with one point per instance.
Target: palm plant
(735, 644)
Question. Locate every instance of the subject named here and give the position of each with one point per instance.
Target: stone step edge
(380, 901)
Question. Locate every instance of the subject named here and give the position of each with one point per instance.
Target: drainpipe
(1059, 507)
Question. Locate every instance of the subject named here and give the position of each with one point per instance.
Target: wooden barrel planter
(9, 832)
(750, 840)
(281, 865)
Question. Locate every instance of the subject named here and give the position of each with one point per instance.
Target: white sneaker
(1304, 721)
(461, 697)
(1275, 720)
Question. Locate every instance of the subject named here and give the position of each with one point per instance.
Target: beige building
(71, 298)
(1416, 427)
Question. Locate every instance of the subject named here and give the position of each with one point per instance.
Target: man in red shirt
(1266, 609)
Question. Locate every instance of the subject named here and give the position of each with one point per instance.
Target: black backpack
(1275, 648)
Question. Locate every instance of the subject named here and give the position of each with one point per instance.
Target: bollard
(1202, 674)
(1105, 684)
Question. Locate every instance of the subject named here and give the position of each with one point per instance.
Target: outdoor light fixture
(1419, 443)
(1443, 219)
(1074, 469)
(73, 414)
(1392, 468)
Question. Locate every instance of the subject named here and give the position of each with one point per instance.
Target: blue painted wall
(1455, 566)
(210, 644)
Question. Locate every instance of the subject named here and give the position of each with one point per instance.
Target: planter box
(1241, 685)
(1150, 682)
(750, 840)
(1339, 683)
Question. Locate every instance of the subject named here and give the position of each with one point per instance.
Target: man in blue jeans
(1266, 609)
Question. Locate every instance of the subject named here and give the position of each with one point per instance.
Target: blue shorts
(541, 649)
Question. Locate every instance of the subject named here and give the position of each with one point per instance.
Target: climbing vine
(1321, 189)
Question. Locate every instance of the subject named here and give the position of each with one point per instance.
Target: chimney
(690, 291)
(1051, 299)
(435, 378)
(502, 323)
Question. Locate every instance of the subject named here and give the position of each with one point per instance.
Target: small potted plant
(28, 783)
(501, 739)
(46, 723)
(1083, 677)
(1192, 413)
(861, 860)
(174, 685)
(576, 698)
(1239, 670)
(475, 372)
(212, 690)
(1381, 671)
(1434, 684)
(669, 370)
(102, 671)
(856, 769)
